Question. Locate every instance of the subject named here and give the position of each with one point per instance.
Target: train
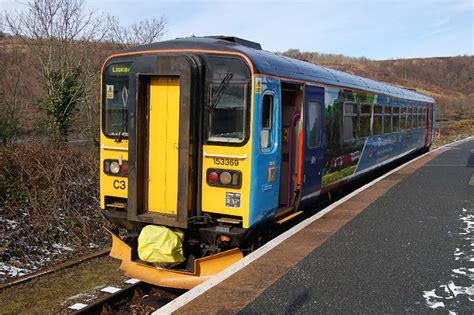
(208, 143)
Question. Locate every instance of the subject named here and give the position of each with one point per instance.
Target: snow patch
(460, 288)
(8, 271)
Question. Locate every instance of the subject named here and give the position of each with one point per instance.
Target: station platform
(402, 243)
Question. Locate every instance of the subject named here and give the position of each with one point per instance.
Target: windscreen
(115, 100)
(228, 82)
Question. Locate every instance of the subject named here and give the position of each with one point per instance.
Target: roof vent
(239, 41)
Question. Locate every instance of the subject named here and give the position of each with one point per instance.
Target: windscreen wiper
(220, 89)
(119, 137)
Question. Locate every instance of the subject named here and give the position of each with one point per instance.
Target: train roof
(265, 62)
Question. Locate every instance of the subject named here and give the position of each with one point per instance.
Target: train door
(313, 149)
(163, 139)
(291, 108)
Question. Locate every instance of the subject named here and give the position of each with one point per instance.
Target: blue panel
(264, 191)
(313, 153)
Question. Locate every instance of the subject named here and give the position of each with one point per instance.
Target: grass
(52, 293)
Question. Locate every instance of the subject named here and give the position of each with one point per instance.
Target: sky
(376, 29)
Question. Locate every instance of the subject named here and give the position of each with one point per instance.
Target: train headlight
(114, 167)
(225, 178)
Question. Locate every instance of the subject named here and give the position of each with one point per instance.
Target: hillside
(448, 79)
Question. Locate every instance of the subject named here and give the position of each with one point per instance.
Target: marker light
(213, 177)
(124, 169)
(114, 167)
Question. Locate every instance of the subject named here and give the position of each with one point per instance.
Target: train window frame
(409, 118)
(425, 117)
(389, 116)
(396, 116)
(403, 117)
(314, 142)
(354, 113)
(123, 133)
(364, 115)
(420, 117)
(377, 115)
(267, 123)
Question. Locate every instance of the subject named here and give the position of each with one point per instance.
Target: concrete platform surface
(405, 244)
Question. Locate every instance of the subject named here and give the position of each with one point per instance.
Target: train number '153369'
(224, 161)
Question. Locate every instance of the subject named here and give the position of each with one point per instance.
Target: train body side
(388, 136)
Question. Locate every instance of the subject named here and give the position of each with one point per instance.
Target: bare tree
(55, 31)
(10, 84)
(141, 33)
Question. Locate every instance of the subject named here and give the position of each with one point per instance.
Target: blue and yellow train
(213, 139)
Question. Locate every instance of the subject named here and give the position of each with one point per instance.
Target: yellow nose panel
(163, 145)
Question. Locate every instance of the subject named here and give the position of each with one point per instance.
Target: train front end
(175, 162)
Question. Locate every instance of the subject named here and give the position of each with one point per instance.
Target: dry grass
(453, 131)
(50, 193)
(52, 294)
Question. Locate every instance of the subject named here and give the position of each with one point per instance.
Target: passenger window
(420, 117)
(365, 113)
(409, 113)
(403, 118)
(424, 118)
(387, 119)
(350, 121)
(267, 122)
(377, 120)
(396, 118)
(314, 125)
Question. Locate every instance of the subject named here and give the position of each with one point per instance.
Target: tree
(141, 33)
(55, 31)
(9, 103)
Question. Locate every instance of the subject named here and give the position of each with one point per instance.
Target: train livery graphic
(206, 142)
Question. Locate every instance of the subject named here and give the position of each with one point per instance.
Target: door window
(267, 122)
(314, 124)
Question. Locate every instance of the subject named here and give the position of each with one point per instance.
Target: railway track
(63, 265)
(134, 297)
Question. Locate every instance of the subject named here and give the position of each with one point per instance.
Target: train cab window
(115, 100)
(350, 123)
(377, 120)
(396, 118)
(313, 131)
(403, 118)
(365, 115)
(227, 112)
(227, 81)
(267, 122)
(387, 119)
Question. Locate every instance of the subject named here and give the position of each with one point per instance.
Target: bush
(49, 194)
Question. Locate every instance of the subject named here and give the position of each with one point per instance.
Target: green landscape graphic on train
(344, 145)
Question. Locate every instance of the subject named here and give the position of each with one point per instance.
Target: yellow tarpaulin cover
(159, 244)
